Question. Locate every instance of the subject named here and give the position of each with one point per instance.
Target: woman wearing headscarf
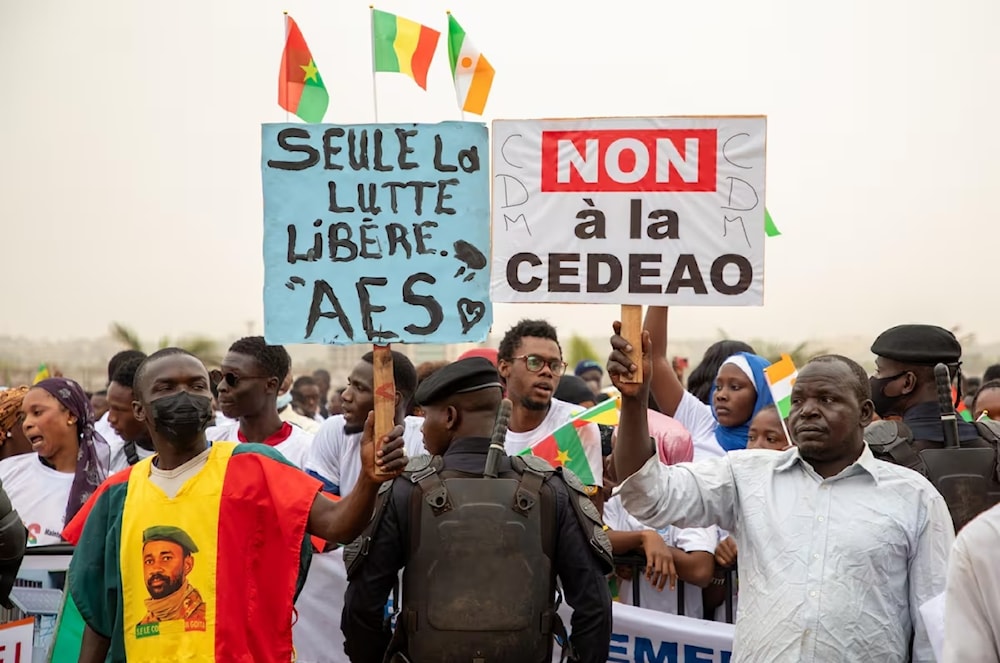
(69, 460)
(12, 439)
(739, 392)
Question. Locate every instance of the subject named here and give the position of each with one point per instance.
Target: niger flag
(208, 575)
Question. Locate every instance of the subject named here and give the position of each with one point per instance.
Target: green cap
(169, 533)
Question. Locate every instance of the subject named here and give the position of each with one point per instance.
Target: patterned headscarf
(94, 456)
(10, 408)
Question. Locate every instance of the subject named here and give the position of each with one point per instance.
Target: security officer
(912, 432)
(480, 554)
(903, 385)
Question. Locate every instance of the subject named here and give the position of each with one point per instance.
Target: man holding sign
(839, 550)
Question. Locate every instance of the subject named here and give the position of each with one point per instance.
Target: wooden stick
(632, 332)
(384, 393)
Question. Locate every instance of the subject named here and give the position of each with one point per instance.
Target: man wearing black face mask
(903, 385)
(240, 502)
(904, 393)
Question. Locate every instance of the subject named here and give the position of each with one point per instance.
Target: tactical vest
(968, 477)
(480, 585)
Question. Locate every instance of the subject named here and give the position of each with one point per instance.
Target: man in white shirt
(838, 550)
(102, 425)
(306, 397)
(334, 459)
(248, 385)
(972, 600)
(333, 456)
(530, 362)
(131, 442)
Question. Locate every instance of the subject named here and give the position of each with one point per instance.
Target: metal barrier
(637, 562)
(42, 573)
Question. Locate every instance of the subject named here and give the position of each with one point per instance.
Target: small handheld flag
(41, 374)
(780, 380)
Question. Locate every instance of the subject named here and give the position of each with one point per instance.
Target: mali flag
(300, 87)
(402, 46)
(208, 575)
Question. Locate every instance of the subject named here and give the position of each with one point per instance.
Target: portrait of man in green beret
(167, 559)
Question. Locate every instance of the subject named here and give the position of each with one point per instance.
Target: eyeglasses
(231, 378)
(534, 363)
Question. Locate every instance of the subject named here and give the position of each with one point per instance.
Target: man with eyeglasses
(530, 362)
(248, 385)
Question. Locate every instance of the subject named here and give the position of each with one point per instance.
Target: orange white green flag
(471, 71)
(300, 87)
(402, 46)
(781, 378)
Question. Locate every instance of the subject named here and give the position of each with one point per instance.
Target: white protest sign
(640, 635)
(649, 211)
(16, 639)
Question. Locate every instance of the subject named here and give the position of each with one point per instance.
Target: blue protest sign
(376, 233)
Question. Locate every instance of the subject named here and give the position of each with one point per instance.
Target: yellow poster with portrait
(169, 553)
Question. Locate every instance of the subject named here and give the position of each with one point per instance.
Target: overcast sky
(130, 179)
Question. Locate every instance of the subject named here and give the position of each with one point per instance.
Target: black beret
(918, 344)
(573, 389)
(458, 377)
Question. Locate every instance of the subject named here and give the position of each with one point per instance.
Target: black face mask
(181, 416)
(885, 405)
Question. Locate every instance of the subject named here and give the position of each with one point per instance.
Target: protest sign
(375, 233)
(634, 211)
(16, 640)
(648, 636)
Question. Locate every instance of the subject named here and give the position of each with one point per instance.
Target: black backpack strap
(989, 430)
(590, 520)
(533, 475)
(893, 439)
(131, 455)
(434, 492)
(356, 551)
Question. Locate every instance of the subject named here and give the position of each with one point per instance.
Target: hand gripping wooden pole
(632, 332)
(384, 389)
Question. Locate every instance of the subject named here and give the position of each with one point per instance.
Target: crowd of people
(839, 521)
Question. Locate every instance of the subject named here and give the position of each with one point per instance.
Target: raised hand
(620, 365)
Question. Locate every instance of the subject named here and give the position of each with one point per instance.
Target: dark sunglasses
(231, 378)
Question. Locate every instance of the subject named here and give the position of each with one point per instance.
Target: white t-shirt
(694, 539)
(39, 493)
(559, 413)
(171, 481)
(305, 423)
(335, 459)
(697, 418)
(294, 447)
(335, 456)
(119, 461)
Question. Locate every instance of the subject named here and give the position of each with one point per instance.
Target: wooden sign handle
(384, 389)
(632, 332)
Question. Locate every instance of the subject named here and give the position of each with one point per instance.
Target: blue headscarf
(732, 438)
